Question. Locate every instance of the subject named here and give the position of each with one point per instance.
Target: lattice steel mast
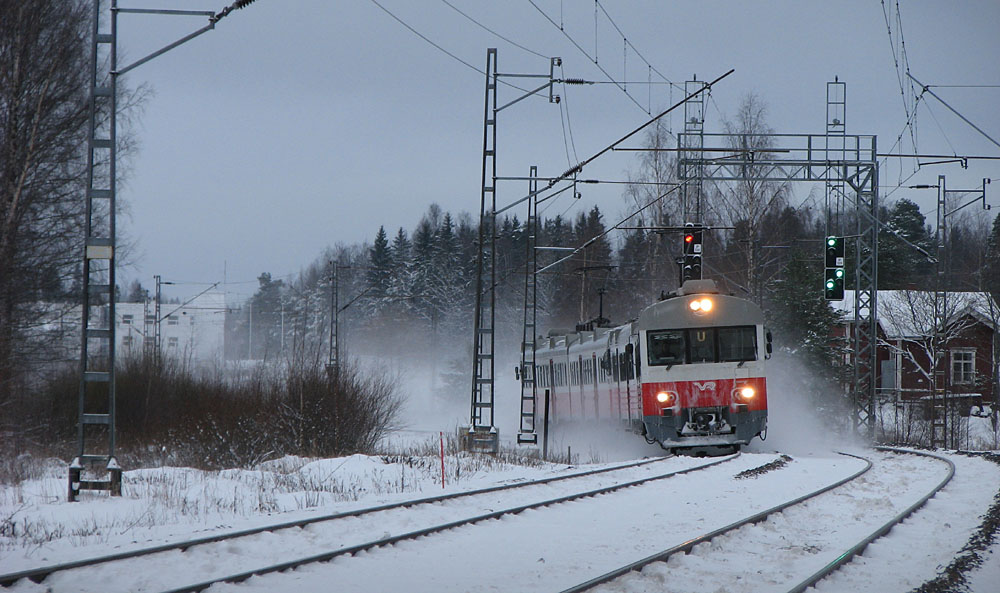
(96, 392)
(529, 388)
(483, 433)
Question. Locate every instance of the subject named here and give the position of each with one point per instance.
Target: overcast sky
(298, 124)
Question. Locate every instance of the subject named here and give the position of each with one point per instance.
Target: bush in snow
(168, 414)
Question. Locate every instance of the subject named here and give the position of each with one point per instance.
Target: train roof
(564, 338)
(672, 313)
(676, 313)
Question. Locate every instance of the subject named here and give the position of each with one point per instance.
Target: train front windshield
(701, 345)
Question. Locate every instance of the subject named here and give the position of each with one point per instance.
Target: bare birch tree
(745, 203)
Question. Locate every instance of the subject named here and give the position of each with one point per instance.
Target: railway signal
(691, 266)
(833, 286)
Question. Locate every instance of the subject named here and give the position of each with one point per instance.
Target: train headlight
(664, 397)
(701, 305)
(747, 392)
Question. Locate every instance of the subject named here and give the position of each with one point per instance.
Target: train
(688, 373)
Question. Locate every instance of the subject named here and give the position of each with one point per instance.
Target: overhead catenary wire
(440, 48)
(592, 240)
(636, 50)
(953, 110)
(572, 171)
(484, 27)
(584, 52)
(569, 122)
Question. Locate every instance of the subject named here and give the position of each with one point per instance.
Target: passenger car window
(665, 347)
(737, 344)
(702, 345)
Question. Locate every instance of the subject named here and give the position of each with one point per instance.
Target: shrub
(166, 413)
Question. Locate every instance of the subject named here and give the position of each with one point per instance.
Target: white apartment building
(193, 332)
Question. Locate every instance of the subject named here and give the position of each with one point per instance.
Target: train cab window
(701, 344)
(737, 344)
(666, 347)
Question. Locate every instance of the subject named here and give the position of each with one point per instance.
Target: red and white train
(689, 373)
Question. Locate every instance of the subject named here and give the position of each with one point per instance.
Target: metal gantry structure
(482, 434)
(833, 158)
(96, 422)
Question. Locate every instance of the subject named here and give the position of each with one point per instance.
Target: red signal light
(688, 238)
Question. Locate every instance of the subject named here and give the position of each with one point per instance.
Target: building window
(171, 342)
(150, 319)
(126, 320)
(172, 320)
(127, 340)
(963, 366)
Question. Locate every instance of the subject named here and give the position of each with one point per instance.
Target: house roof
(910, 313)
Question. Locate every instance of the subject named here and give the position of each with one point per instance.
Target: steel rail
(326, 556)
(849, 555)
(690, 544)
(37, 575)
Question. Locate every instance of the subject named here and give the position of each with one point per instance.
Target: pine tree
(991, 271)
(379, 273)
(900, 265)
(423, 268)
(804, 325)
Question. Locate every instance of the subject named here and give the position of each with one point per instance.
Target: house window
(171, 342)
(172, 320)
(963, 366)
(126, 320)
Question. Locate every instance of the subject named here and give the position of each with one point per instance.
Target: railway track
(63, 572)
(838, 556)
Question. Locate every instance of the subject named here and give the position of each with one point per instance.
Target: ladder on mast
(96, 393)
(529, 387)
(483, 435)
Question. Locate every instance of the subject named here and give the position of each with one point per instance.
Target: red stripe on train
(704, 394)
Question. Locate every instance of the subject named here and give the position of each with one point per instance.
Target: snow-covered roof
(910, 313)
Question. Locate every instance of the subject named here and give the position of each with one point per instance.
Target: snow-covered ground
(545, 549)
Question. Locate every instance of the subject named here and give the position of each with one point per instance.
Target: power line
(900, 68)
(574, 170)
(963, 86)
(584, 52)
(569, 123)
(591, 241)
(635, 49)
(510, 41)
(438, 47)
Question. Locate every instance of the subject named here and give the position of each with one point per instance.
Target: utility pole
(97, 318)
(941, 375)
(333, 362)
(482, 434)
(157, 329)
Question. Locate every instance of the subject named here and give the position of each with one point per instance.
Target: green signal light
(831, 242)
(840, 273)
(829, 284)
